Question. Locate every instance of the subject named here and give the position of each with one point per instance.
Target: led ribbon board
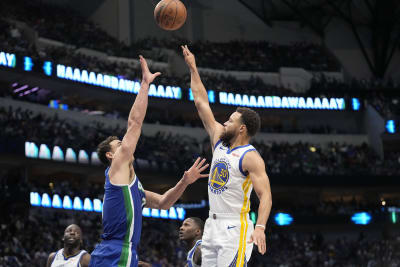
(115, 83)
(8, 60)
(281, 102)
(119, 83)
(96, 205)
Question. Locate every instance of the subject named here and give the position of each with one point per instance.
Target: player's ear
(109, 155)
(242, 128)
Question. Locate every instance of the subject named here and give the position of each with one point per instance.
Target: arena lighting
(390, 126)
(361, 218)
(394, 217)
(56, 105)
(21, 88)
(7, 60)
(28, 64)
(115, 83)
(27, 92)
(283, 219)
(48, 68)
(253, 217)
(355, 103)
(281, 102)
(57, 154)
(96, 205)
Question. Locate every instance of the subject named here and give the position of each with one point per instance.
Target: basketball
(170, 15)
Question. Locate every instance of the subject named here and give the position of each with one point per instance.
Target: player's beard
(226, 138)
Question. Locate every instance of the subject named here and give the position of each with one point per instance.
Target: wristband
(260, 225)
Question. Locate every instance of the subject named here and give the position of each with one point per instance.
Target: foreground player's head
(191, 229)
(72, 236)
(243, 122)
(107, 149)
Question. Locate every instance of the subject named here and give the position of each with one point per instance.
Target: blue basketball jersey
(122, 211)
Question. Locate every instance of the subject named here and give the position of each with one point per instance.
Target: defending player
(191, 232)
(124, 195)
(71, 255)
(235, 169)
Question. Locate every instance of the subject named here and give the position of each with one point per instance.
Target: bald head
(72, 236)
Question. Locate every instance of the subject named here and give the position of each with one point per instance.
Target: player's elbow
(164, 206)
(134, 123)
(198, 102)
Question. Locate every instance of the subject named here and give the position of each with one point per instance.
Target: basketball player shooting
(71, 255)
(124, 195)
(236, 168)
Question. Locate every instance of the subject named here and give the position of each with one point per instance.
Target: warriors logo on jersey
(219, 176)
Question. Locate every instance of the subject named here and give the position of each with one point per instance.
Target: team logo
(219, 176)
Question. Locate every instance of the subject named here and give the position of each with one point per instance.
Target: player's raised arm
(213, 128)
(136, 116)
(255, 166)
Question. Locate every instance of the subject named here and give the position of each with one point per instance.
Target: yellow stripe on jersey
(243, 223)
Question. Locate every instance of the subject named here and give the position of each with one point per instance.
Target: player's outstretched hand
(190, 176)
(147, 76)
(189, 57)
(258, 238)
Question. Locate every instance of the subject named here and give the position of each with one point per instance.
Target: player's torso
(61, 261)
(190, 262)
(122, 211)
(229, 187)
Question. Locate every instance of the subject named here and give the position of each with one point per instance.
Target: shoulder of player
(85, 259)
(197, 255)
(252, 159)
(50, 259)
(117, 173)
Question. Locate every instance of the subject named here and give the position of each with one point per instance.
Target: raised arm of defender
(124, 155)
(213, 128)
(138, 110)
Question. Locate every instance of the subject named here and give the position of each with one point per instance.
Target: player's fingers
(143, 62)
(204, 167)
(201, 163)
(157, 74)
(204, 175)
(196, 162)
(263, 248)
(250, 240)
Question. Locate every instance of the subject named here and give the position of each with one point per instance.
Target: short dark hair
(251, 119)
(105, 147)
(199, 222)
